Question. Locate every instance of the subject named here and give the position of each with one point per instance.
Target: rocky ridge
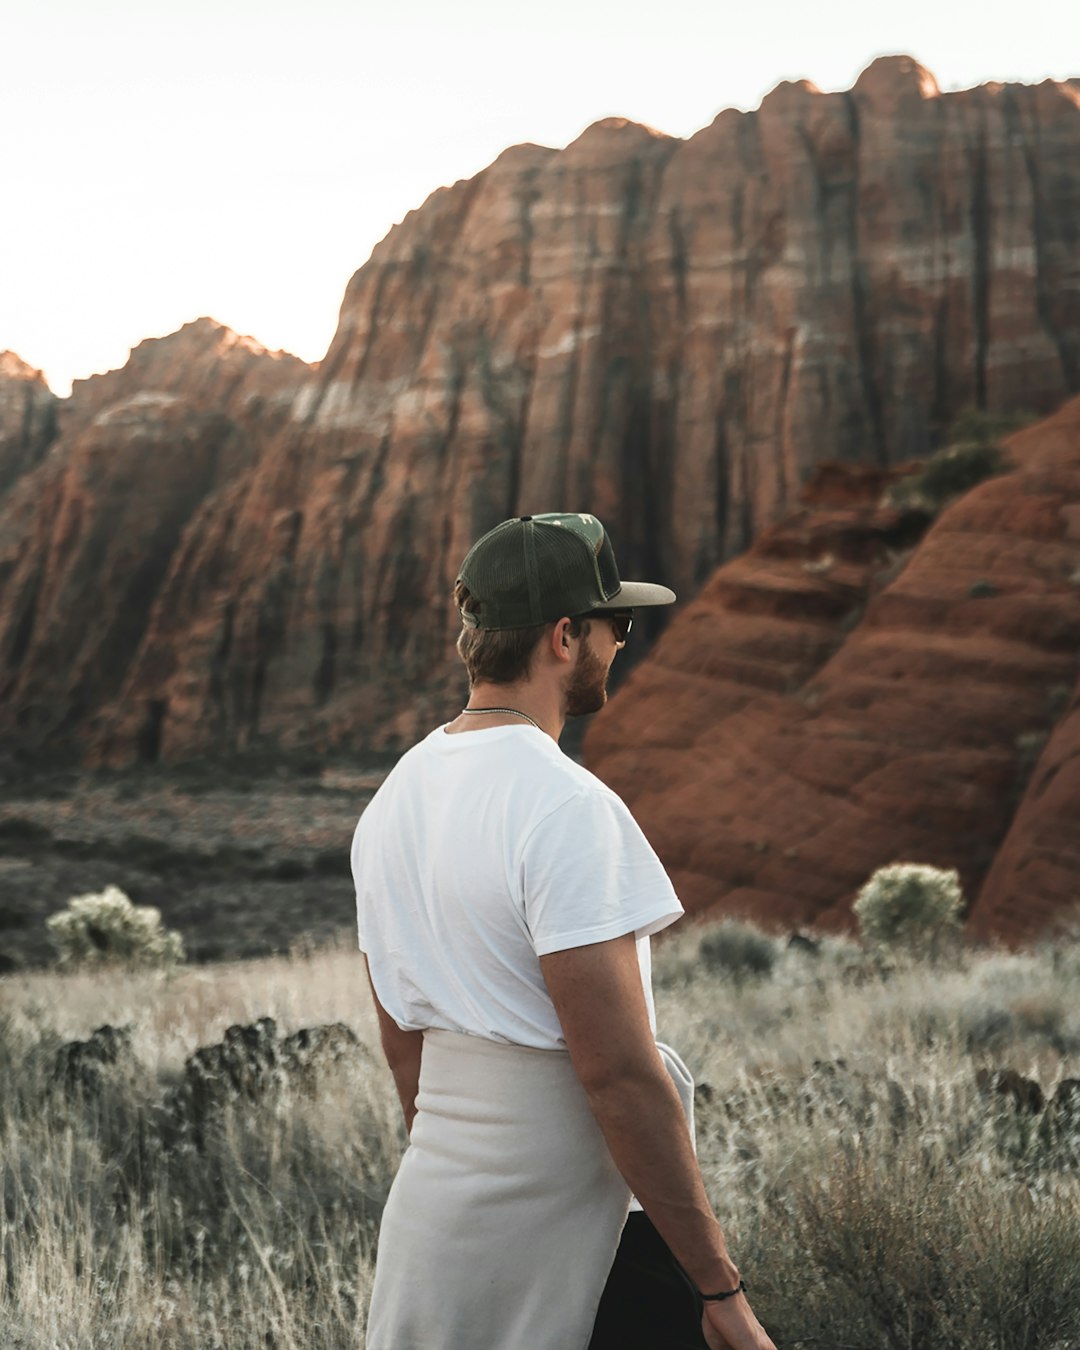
(225, 549)
(831, 702)
(89, 533)
(27, 418)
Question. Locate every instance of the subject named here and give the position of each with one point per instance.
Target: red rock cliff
(669, 333)
(813, 715)
(27, 418)
(87, 537)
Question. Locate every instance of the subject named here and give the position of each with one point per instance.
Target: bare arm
(599, 998)
(402, 1051)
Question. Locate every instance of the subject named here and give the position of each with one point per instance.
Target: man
(505, 899)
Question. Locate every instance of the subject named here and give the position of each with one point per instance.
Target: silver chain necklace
(512, 712)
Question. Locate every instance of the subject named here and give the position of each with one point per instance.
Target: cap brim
(638, 595)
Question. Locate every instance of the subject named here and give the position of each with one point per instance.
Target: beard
(586, 691)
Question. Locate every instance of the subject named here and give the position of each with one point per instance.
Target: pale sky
(241, 158)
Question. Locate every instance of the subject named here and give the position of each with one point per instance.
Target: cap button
(524, 518)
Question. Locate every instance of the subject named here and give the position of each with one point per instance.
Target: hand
(731, 1325)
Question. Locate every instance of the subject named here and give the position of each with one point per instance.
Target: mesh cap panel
(536, 569)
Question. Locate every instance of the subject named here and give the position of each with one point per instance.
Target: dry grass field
(880, 1191)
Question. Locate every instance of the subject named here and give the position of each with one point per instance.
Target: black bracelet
(740, 1288)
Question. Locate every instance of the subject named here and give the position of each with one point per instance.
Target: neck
(541, 705)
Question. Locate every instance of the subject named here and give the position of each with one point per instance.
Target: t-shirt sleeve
(360, 882)
(588, 874)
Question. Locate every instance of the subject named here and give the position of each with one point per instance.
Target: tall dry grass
(874, 1194)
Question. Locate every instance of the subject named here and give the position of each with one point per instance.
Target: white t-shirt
(481, 852)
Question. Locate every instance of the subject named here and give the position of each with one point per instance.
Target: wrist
(722, 1295)
(716, 1276)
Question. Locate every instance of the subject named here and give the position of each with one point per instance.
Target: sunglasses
(621, 620)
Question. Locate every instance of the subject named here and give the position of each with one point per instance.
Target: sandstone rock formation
(1034, 880)
(781, 741)
(87, 538)
(669, 333)
(27, 418)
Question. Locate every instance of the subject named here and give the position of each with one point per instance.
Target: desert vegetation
(972, 453)
(909, 905)
(207, 846)
(947, 474)
(105, 929)
(891, 1136)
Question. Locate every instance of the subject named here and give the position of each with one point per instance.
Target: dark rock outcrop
(249, 1069)
(84, 1068)
(250, 1066)
(1022, 1095)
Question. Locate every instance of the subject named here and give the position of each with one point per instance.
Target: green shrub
(107, 929)
(909, 905)
(738, 950)
(976, 425)
(954, 470)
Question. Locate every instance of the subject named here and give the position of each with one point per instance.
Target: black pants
(648, 1303)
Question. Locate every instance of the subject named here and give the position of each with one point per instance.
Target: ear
(561, 640)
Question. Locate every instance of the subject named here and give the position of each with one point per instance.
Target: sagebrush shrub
(948, 473)
(909, 904)
(103, 928)
(738, 950)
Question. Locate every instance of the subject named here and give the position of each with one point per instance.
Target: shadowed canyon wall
(27, 418)
(224, 548)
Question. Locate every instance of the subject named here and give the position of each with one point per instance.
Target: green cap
(536, 569)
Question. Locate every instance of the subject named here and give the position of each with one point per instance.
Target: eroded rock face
(1034, 880)
(27, 418)
(87, 538)
(671, 334)
(203, 364)
(782, 742)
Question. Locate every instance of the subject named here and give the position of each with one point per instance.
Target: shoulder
(549, 758)
(563, 778)
(400, 778)
(410, 763)
(575, 804)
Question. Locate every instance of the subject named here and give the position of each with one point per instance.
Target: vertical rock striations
(27, 419)
(139, 450)
(670, 333)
